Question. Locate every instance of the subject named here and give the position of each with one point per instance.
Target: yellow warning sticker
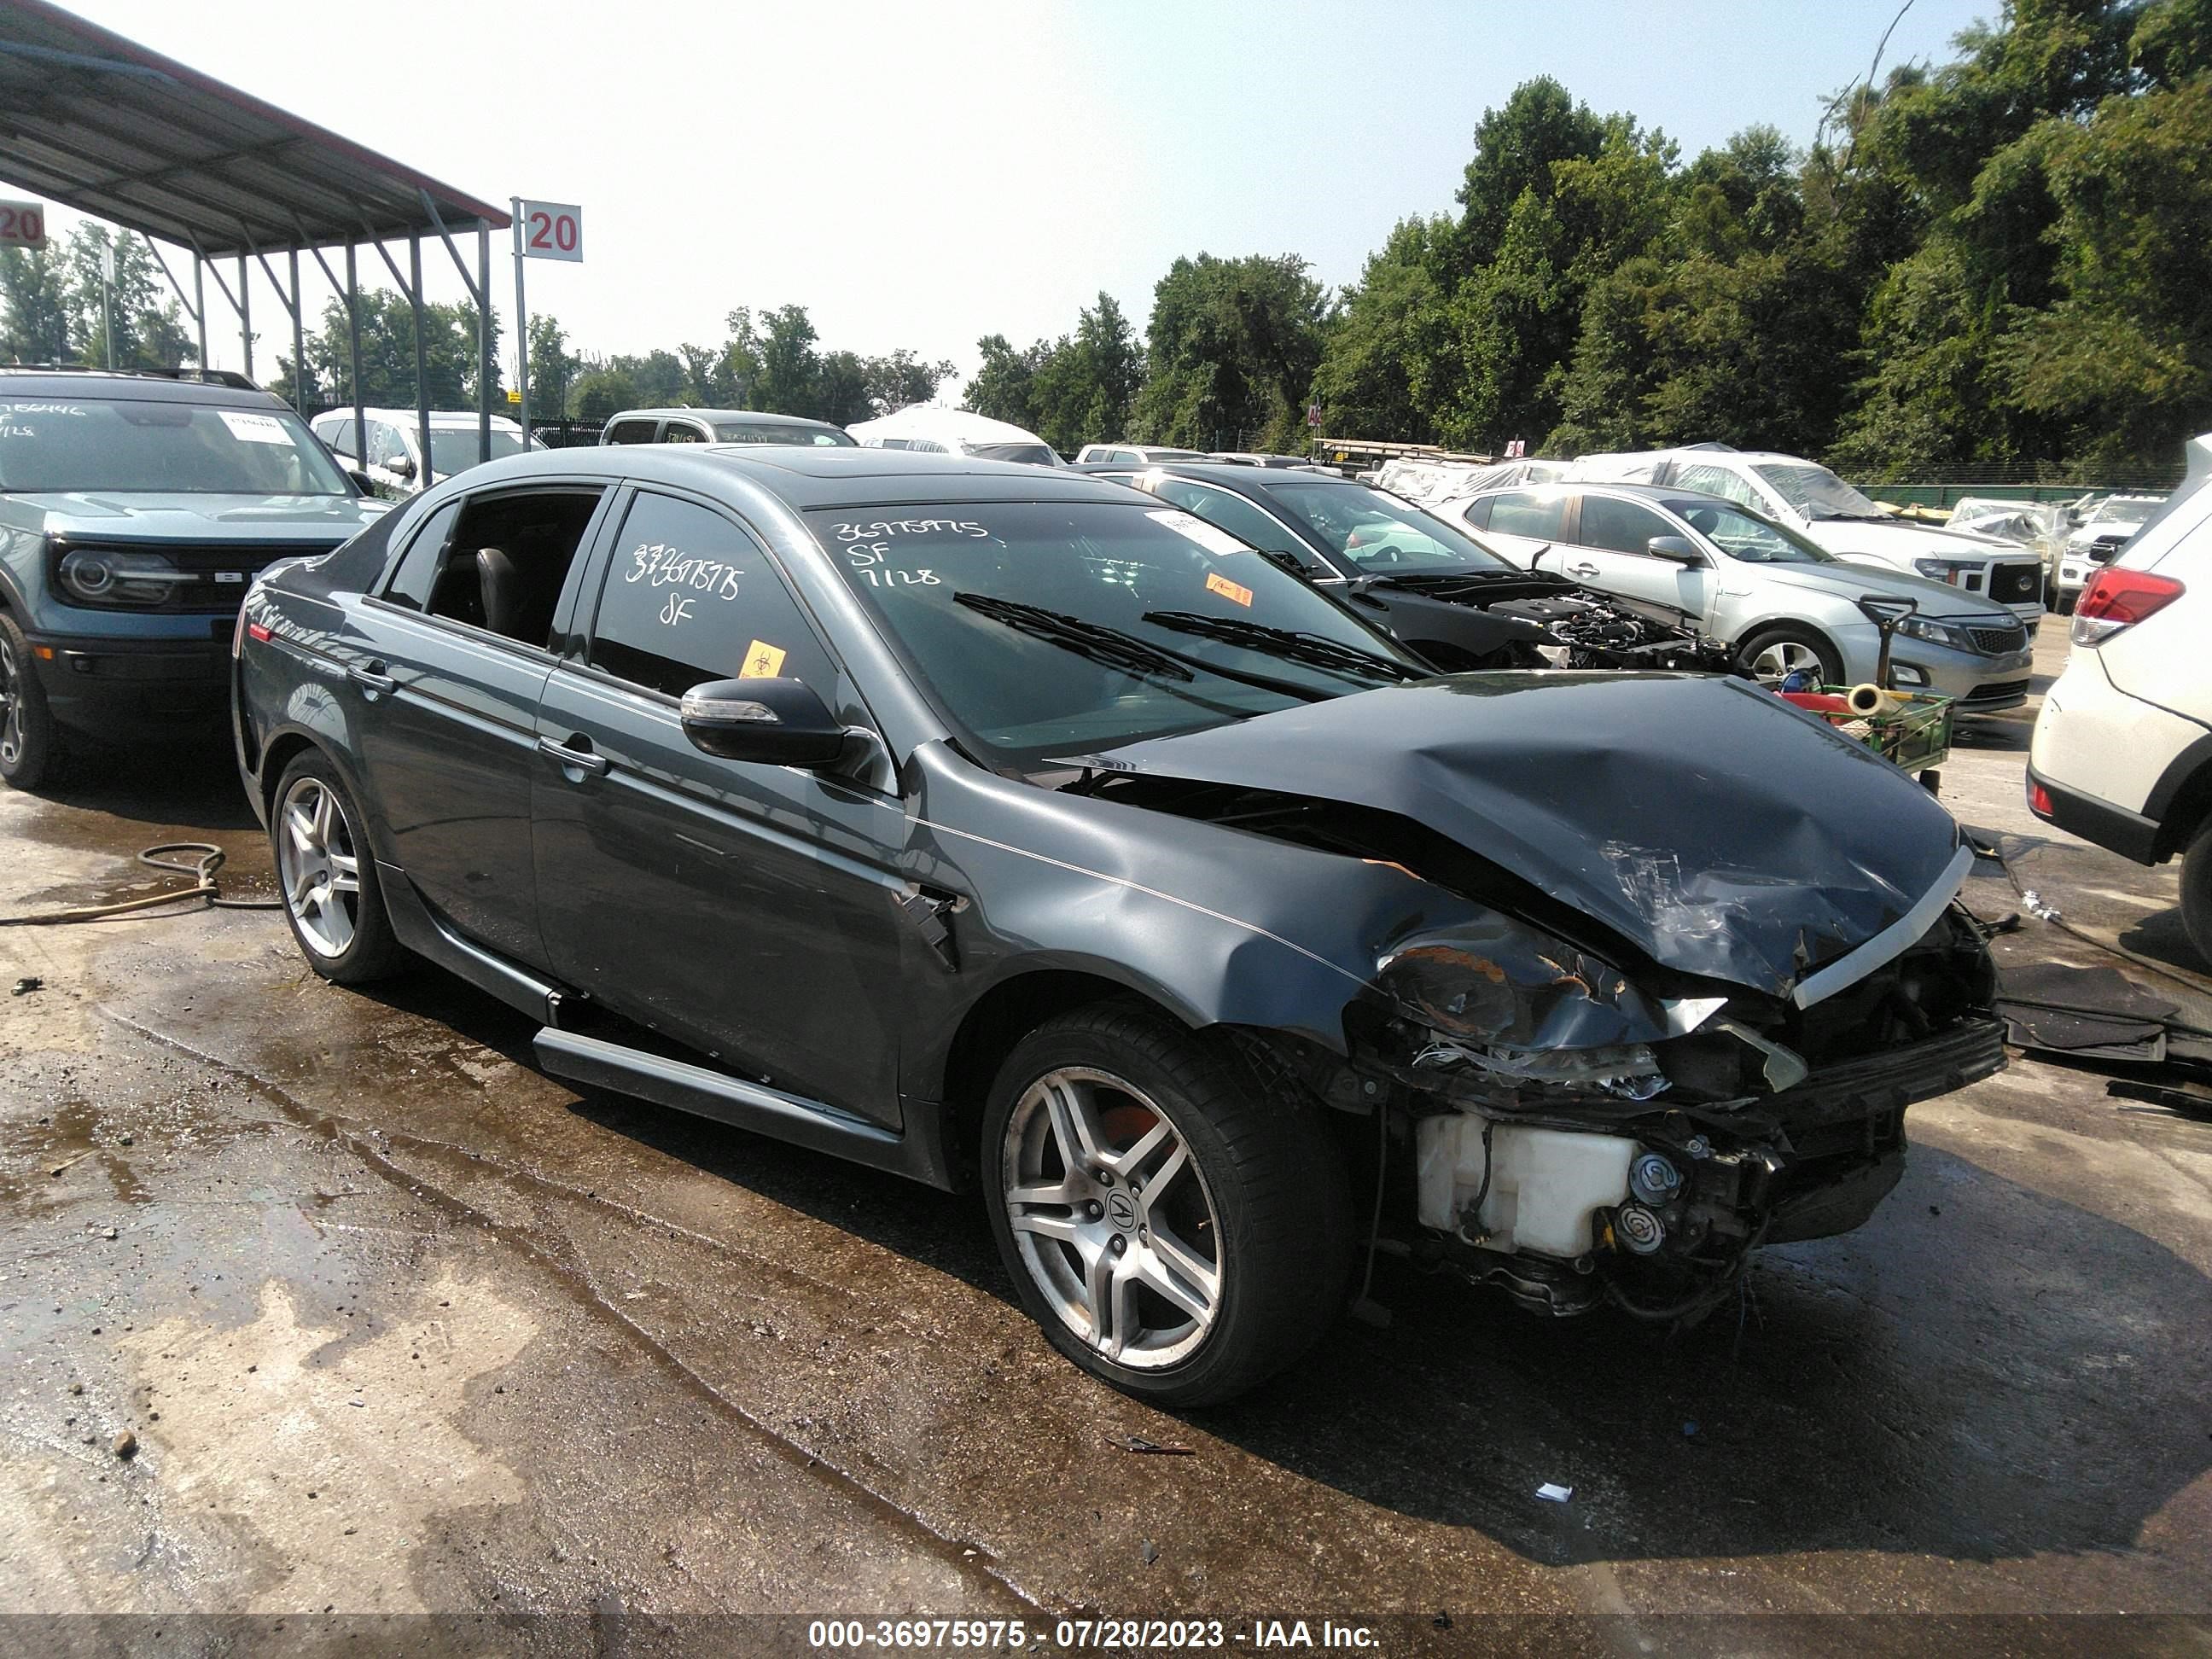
(763, 661)
(1236, 591)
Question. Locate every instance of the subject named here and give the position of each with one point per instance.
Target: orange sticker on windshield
(763, 661)
(1216, 583)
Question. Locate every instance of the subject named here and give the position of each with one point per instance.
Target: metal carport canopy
(98, 122)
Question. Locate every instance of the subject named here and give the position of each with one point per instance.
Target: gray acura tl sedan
(1012, 829)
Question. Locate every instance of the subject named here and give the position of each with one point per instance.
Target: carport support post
(483, 345)
(200, 308)
(422, 374)
(245, 316)
(353, 358)
(299, 345)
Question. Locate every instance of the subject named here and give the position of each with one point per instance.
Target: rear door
(446, 688)
(745, 910)
(1521, 524)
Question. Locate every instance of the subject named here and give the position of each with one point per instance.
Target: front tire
(328, 877)
(1773, 653)
(1175, 1233)
(30, 743)
(2197, 893)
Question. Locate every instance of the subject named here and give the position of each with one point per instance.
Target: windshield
(1031, 454)
(453, 448)
(2123, 509)
(1744, 535)
(755, 432)
(1816, 492)
(1050, 631)
(1380, 533)
(165, 448)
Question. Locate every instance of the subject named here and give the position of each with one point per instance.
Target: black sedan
(1008, 828)
(1457, 602)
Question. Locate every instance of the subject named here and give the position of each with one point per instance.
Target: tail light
(2119, 599)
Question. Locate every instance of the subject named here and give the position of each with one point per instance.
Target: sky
(922, 175)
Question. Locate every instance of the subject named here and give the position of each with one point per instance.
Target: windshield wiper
(1314, 650)
(1118, 650)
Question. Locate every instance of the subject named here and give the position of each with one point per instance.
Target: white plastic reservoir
(1542, 1193)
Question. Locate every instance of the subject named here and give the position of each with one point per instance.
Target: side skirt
(601, 1061)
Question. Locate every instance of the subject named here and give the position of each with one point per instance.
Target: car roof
(805, 477)
(84, 384)
(1673, 497)
(723, 414)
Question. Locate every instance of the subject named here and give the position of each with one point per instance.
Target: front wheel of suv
(2197, 892)
(30, 746)
(1175, 1233)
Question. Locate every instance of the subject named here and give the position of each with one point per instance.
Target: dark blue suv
(134, 510)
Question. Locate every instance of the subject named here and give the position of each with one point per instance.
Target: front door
(1609, 550)
(748, 911)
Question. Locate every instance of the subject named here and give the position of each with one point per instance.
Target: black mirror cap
(1677, 550)
(772, 722)
(361, 481)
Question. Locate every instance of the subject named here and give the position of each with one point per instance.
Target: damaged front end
(1576, 627)
(1579, 1140)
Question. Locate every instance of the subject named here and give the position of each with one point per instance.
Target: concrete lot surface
(401, 1326)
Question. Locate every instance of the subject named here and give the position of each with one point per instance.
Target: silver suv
(1779, 603)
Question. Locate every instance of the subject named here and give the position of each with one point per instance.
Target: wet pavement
(401, 1326)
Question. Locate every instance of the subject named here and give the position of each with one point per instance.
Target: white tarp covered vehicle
(939, 431)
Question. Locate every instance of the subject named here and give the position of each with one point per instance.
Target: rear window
(767, 431)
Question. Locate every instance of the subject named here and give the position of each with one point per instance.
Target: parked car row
(1104, 839)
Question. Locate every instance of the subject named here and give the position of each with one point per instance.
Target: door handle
(1581, 570)
(371, 677)
(575, 760)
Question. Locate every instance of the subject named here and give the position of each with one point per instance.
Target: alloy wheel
(318, 868)
(1784, 658)
(1111, 1218)
(11, 709)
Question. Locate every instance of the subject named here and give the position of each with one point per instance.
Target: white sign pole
(521, 325)
(542, 230)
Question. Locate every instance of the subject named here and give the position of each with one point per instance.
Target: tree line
(1996, 263)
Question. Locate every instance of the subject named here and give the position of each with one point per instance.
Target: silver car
(1779, 603)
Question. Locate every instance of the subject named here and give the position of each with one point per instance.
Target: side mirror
(400, 467)
(773, 722)
(1675, 549)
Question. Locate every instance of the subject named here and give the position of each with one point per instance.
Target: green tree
(1231, 352)
(1004, 387)
(552, 369)
(34, 307)
(148, 328)
(1383, 370)
(450, 371)
(903, 378)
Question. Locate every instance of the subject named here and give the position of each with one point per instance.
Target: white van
(393, 458)
(1807, 497)
(2122, 749)
(954, 432)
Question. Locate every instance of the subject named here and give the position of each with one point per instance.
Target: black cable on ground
(2057, 918)
(204, 890)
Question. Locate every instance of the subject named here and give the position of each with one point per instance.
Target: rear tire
(30, 742)
(2067, 602)
(2197, 893)
(327, 876)
(1176, 1232)
(1772, 652)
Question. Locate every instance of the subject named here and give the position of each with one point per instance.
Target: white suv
(1805, 496)
(393, 459)
(2122, 749)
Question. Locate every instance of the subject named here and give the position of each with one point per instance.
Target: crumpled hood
(133, 516)
(1715, 827)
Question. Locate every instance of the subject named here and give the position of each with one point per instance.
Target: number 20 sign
(22, 224)
(552, 230)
